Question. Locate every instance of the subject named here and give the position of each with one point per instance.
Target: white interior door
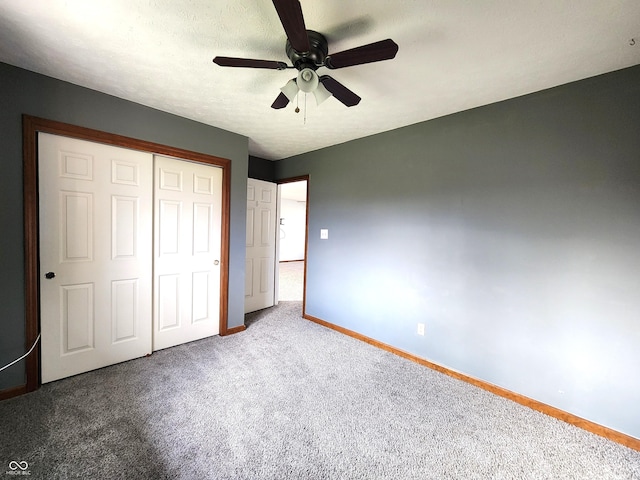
(96, 265)
(187, 231)
(259, 287)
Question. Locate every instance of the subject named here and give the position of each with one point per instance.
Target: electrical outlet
(421, 329)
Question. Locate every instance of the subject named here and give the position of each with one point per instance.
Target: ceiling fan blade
(290, 13)
(280, 102)
(248, 62)
(373, 52)
(339, 91)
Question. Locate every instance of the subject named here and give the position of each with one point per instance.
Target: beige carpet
(291, 281)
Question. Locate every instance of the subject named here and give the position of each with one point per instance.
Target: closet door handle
(216, 262)
(49, 275)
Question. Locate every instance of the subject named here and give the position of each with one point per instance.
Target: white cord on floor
(23, 356)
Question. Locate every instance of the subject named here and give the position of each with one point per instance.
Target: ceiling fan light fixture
(290, 89)
(321, 94)
(307, 80)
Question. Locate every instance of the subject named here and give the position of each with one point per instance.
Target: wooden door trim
(306, 235)
(30, 127)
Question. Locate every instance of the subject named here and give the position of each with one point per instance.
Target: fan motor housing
(314, 58)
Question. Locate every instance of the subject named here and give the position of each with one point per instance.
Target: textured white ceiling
(454, 55)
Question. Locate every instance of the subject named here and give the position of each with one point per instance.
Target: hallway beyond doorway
(291, 281)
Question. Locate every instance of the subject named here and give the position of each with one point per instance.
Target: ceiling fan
(308, 51)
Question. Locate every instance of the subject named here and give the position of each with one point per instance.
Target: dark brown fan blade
(280, 102)
(339, 91)
(290, 13)
(373, 52)
(248, 62)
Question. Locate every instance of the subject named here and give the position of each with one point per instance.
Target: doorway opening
(292, 238)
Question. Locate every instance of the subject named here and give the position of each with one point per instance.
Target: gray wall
(512, 231)
(261, 169)
(25, 92)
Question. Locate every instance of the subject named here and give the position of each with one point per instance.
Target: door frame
(299, 178)
(31, 126)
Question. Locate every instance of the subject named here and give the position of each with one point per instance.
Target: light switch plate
(324, 233)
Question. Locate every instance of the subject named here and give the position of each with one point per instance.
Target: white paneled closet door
(95, 259)
(187, 248)
(259, 289)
